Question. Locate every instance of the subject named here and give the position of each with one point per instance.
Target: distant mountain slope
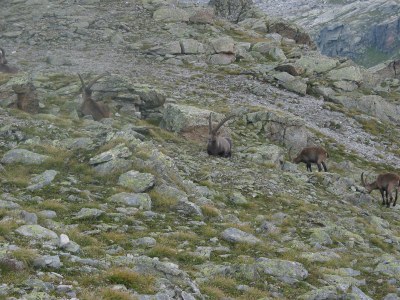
(366, 31)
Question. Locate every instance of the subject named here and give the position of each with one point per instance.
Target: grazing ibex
(313, 155)
(4, 68)
(90, 107)
(218, 145)
(385, 183)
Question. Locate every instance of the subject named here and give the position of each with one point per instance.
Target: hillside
(133, 207)
(366, 31)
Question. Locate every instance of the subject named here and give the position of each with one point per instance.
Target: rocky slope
(132, 207)
(366, 31)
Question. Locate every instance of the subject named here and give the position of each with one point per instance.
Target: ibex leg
(324, 165)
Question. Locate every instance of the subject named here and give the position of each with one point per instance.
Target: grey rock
(117, 165)
(317, 63)
(351, 73)
(224, 45)
(136, 181)
(291, 83)
(40, 181)
(326, 292)
(238, 199)
(388, 265)
(277, 54)
(119, 151)
(36, 231)
(47, 214)
(235, 235)
(184, 118)
(221, 59)
(191, 46)
(9, 205)
(188, 208)
(29, 218)
(147, 242)
(171, 15)
(165, 49)
(88, 213)
(47, 261)
(391, 296)
(24, 157)
(142, 200)
(283, 269)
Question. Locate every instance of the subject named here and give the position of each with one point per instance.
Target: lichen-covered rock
(47, 261)
(40, 181)
(264, 154)
(291, 83)
(168, 48)
(388, 265)
(147, 242)
(221, 59)
(36, 232)
(23, 156)
(169, 14)
(235, 235)
(140, 200)
(350, 73)
(224, 45)
(119, 151)
(283, 269)
(88, 213)
(317, 63)
(191, 46)
(181, 118)
(136, 181)
(277, 54)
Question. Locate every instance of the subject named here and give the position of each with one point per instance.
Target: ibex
(385, 183)
(4, 68)
(90, 107)
(313, 155)
(218, 145)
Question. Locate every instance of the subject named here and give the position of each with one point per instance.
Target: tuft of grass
(141, 283)
(111, 294)
(162, 251)
(27, 256)
(161, 202)
(210, 211)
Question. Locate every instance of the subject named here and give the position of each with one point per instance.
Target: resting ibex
(4, 68)
(218, 145)
(313, 155)
(385, 183)
(90, 107)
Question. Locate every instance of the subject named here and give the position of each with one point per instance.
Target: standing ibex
(313, 155)
(218, 145)
(4, 68)
(90, 107)
(385, 183)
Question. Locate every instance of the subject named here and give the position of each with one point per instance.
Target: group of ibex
(386, 183)
(222, 146)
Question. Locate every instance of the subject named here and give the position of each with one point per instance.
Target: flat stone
(23, 156)
(235, 235)
(36, 231)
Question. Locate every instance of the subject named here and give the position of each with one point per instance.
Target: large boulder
(283, 269)
(23, 156)
(281, 127)
(185, 118)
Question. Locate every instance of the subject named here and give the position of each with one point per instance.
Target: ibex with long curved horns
(90, 107)
(218, 145)
(316, 155)
(385, 183)
(4, 68)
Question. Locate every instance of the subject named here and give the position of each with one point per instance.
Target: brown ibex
(385, 183)
(313, 155)
(4, 68)
(218, 145)
(90, 107)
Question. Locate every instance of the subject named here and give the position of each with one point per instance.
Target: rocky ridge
(366, 31)
(132, 207)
